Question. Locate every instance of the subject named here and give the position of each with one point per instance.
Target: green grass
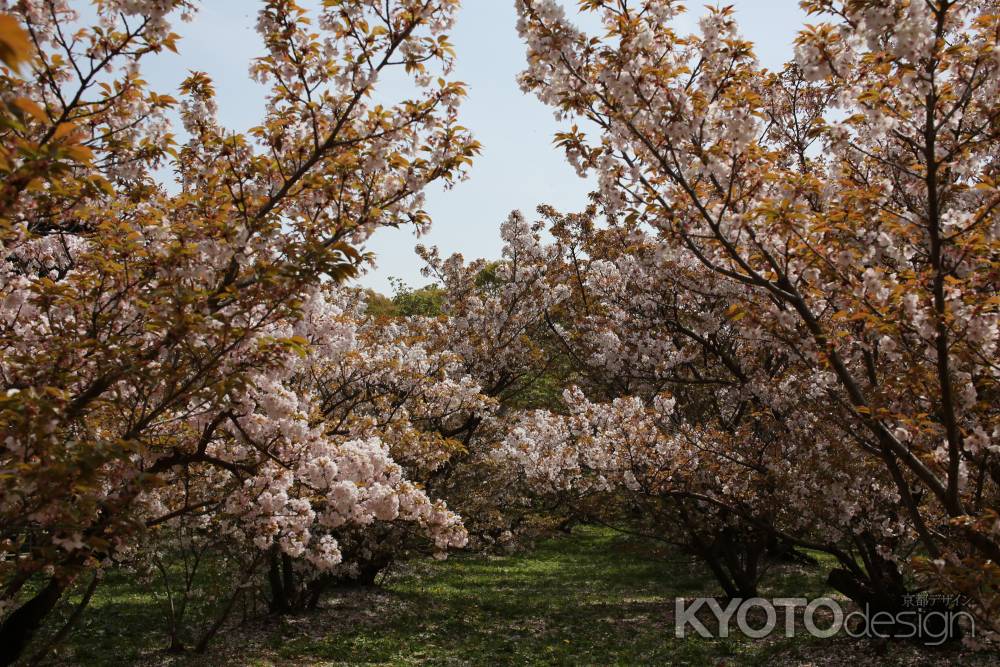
(592, 598)
(573, 600)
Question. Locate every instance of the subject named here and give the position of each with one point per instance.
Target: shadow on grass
(591, 598)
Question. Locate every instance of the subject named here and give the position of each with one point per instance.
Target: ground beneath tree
(590, 598)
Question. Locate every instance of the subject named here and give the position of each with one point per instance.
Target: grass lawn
(590, 598)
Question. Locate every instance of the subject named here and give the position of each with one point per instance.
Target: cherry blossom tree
(147, 331)
(494, 320)
(661, 431)
(844, 209)
(328, 465)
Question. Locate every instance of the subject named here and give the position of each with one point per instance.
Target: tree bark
(21, 626)
(68, 625)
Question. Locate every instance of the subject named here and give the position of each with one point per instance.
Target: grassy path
(587, 599)
(592, 598)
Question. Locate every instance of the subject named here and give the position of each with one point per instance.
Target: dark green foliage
(426, 301)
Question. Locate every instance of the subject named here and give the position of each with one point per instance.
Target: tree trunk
(70, 622)
(279, 598)
(220, 620)
(20, 626)
(886, 593)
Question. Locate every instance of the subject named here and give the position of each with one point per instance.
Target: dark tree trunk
(731, 554)
(68, 625)
(881, 589)
(316, 589)
(221, 619)
(288, 583)
(782, 551)
(279, 603)
(370, 570)
(20, 626)
(742, 553)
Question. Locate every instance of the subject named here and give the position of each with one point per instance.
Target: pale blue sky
(519, 167)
